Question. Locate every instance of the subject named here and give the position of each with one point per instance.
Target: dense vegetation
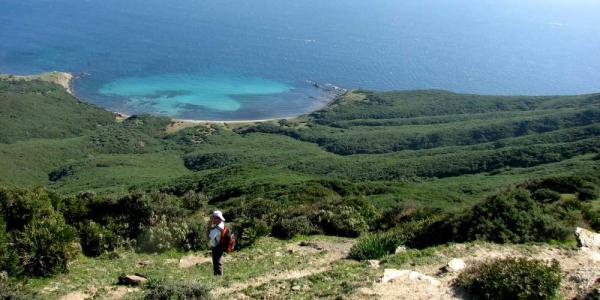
(419, 168)
(512, 278)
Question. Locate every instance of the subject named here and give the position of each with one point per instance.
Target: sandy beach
(65, 79)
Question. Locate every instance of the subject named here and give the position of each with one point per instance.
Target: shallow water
(238, 59)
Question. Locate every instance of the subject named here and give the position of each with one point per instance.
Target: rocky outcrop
(455, 265)
(589, 242)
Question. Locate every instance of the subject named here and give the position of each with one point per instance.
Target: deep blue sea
(250, 59)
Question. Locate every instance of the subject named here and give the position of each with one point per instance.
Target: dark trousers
(217, 257)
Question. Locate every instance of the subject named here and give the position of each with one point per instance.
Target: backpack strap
(224, 233)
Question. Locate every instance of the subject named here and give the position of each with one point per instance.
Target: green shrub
(290, 227)
(564, 184)
(341, 221)
(46, 246)
(586, 194)
(511, 278)
(378, 245)
(10, 291)
(188, 290)
(96, 240)
(9, 259)
(196, 237)
(511, 217)
(21, 206)
(247, 231)
(375, 246)
(545, 195)
(193, 200)
(162, 235)
(403, 213)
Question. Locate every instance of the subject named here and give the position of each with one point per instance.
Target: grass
(246, 264)
(343, 279)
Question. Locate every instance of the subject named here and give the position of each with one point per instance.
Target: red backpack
(227, 240)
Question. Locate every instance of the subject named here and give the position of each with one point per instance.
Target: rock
(455, 265)
(587, 239)
(277, 254)
(393, 274)
(303, 243)
(589, 242)
(296, 288)
(373, 263)
(135, 279)
(144, 263)
(400, 249)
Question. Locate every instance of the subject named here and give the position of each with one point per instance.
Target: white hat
(218, 214)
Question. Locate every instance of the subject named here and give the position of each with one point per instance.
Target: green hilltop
(395, 166)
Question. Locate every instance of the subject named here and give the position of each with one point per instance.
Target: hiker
(219, 241)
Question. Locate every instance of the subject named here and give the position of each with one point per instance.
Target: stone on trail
(393, 274)
(296, 288)
(455, 265)
(400, 249)
(135, 279)
(373, 263)
(589, 242)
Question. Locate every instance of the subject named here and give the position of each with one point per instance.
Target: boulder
(455, 265)
(373, 263)
(589, 242)
(400, 249)
(135, 279)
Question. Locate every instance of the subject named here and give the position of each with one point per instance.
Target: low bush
(375, 246)
(586, 194)
(378, 245)
(247, 231)
(46, 246)
(511, 217)
(404, 213)
(187, 290)
(545, 195)
(162, 235)
(511, 278)
(341, 221)
(96, 240)
(9, 290)
(290, 227)
(196, 237)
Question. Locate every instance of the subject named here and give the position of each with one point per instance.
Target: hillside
(419, 168)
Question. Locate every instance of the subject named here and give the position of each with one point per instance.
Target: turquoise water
(241, 59)
(172, 94)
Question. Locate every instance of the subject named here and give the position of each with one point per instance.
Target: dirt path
(578, 269)
(334, 251)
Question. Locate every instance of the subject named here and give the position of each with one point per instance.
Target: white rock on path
(373, 263)
(589, 242)
(400, 249)
(455, 265)
(393, 274)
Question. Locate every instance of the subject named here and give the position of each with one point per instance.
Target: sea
(262, 59)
